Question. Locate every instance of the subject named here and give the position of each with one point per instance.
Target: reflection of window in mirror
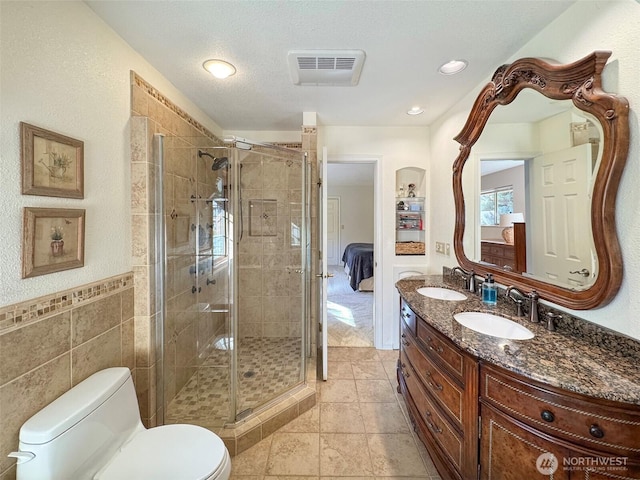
(494, 203)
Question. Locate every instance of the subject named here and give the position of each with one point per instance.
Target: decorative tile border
(152, 92)
(21, 314)
(155, 94)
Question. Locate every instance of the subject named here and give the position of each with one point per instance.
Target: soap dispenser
(489, 291)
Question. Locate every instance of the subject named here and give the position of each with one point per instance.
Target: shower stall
(234, 282)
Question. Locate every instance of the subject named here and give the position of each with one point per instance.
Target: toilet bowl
(94, 432)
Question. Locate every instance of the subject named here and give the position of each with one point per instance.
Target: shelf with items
(410, 222)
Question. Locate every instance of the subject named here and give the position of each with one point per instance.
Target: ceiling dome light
(415, 111)
(219, 68)
(454, 66)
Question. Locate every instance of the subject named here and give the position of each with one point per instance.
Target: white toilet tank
(77, 434)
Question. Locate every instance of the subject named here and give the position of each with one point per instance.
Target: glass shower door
(270, 275)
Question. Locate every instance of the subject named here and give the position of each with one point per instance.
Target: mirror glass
(536, 158)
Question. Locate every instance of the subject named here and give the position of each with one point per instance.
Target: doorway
(351, 290)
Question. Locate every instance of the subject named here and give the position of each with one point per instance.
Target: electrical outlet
(447, 249)
(440, 247)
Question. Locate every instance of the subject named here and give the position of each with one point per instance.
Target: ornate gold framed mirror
(570, 158)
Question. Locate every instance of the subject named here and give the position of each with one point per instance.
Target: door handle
(584, 272)
(321, 275)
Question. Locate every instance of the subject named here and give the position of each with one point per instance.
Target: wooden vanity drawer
(444, 390)
(408, 316)
(439, 429)
(440, 348)
(562, 414)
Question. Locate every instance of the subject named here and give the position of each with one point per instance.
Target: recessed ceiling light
(415, 111)
(219, 68)
(454, 66)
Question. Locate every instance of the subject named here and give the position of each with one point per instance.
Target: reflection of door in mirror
(562, 242)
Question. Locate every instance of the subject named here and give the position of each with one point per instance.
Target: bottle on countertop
(489, 291)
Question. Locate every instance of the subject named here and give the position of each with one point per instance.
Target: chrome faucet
(533, 308)
(469, 277)
(517, 301)
(551, 320)
(533, 300)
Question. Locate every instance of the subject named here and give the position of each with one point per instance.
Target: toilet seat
(171, 452)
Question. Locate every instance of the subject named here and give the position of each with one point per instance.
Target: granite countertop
(564, 359)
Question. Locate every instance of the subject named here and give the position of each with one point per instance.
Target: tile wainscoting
(51, 343)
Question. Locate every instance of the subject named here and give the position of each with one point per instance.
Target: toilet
(94, 432)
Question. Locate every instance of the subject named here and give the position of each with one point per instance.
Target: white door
(333, 231)
(324, 328)
(560, 200)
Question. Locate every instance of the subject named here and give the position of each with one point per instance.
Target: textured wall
(64, 70)
(583, 28)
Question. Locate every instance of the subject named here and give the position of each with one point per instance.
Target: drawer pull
(596, 431)
(547, 416)
(405, 374)
(437, 386)
(405, 343)
(438, 349)
(433, 385)
(431, 425)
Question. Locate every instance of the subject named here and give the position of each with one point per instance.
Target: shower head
(218, 162)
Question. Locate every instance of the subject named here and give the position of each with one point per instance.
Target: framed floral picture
(53, 240)
(52, 164)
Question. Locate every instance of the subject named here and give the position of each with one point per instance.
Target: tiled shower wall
(49, 344)
(270, 253)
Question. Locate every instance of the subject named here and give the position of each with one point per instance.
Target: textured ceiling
(404, 41)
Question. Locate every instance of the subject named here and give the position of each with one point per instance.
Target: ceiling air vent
(325, 67)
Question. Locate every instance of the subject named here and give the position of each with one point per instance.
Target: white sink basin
(441, 294)
(493, 325)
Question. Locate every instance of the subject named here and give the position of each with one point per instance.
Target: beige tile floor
(358, 429)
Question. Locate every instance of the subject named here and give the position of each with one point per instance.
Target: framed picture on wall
(53, 240)
(52, 164)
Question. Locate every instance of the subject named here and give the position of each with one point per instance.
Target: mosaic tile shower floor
(267, 368)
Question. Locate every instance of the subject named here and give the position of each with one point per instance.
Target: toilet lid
(171, 452)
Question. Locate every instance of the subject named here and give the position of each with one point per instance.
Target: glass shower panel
(197, 346)
(270, 276)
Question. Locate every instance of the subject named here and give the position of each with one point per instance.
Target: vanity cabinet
(440, 386)
(523, 419)
(479, 420)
